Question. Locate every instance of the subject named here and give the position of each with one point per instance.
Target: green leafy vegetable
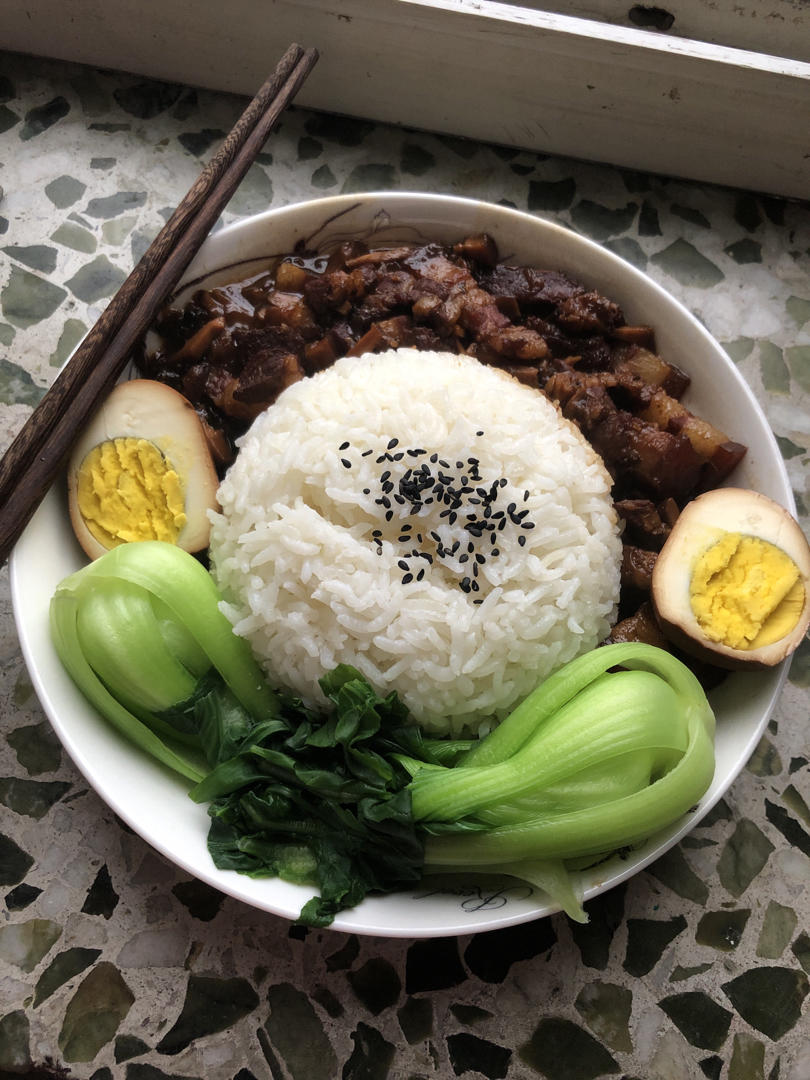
(322, 800)
(613, 747)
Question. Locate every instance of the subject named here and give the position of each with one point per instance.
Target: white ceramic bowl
(154, 802)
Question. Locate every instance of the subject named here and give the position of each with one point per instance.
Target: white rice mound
(319, 562)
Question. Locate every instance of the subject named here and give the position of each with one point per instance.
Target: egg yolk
(746, 592)
(127, 490)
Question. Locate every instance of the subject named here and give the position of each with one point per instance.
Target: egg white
(702, 523)
(145, 409)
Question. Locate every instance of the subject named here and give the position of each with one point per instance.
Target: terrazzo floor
(113, 963)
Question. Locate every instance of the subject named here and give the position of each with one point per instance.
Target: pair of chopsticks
(33, 460)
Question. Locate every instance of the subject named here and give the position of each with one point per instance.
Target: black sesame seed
(503, 481)
(474, 586)
(421, 574)
(465, 584)
(366, 491)
(495, 551)
(478, 601)
(398, 457)
(480, 559)
(407, 579)
(345, 463)
(389, 514)
(344, 446)
(392, 443)
(366, 453)
(511, 508)
(463, 558)
(527, 524)
(479, 433)
(522, 540)
(385, 475)
(434, 458)
(525, 496)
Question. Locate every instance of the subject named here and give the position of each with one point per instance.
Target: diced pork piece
(642, 336)
(344, 253)
(261, 381)
(645, 525)
(536, 291)
(637, 568)
(392, 294)
(640, 457)
(640, 626)
(480, 248)
(290, 277)
(721, 453)
(649, 367)
(589, 313)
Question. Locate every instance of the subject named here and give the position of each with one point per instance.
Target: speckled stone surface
(113, 964)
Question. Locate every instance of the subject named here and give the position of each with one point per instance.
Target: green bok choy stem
(593, 760)
(137, 630)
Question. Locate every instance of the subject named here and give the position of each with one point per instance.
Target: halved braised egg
(731, 584)
(142, 470)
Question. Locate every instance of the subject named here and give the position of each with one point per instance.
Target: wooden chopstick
(34, 458)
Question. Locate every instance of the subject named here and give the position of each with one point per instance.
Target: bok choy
(141, 634)
(595, 759)
(613, 747)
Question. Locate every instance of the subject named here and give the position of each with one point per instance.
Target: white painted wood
(492, 71)
(774, 27)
